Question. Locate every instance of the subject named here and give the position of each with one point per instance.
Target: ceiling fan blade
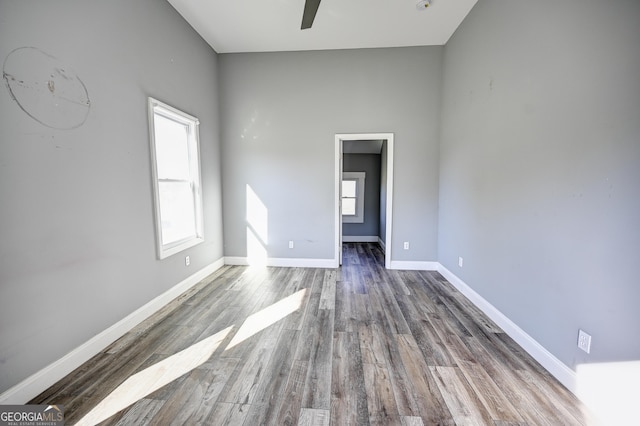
(310, 9)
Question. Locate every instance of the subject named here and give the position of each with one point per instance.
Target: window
(175, 161)
(353, 197)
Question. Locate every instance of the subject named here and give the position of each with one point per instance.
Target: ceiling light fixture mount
(423, 4)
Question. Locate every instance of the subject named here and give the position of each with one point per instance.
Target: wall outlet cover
(584, 341)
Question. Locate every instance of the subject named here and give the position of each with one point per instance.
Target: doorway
(386, 188)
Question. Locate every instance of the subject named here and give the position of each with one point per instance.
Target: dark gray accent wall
(77, 243)
(383, 193)
(540, 169)
(281, 113)
(370, 164)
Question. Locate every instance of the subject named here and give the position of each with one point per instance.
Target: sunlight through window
(257, 229)
(153, 378)
(176, 178)
(256, 251)
(611, 391)
(164, 372)
(268, 316)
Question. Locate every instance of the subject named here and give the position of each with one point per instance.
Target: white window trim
(359, 178)
(160, 108)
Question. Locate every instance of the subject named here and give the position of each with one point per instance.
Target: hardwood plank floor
(359, 345)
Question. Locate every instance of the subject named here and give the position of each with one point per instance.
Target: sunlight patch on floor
(164, 372)
(153, 378)
(268, 316)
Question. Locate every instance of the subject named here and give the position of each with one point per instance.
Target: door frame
(339, 138)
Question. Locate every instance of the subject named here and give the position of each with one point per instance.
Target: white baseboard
(36, 383)
(282, 262)
(553, 365)
(414, 265)
(33, 385)
(557, 368)
(360, 238)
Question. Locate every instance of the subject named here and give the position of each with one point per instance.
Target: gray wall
(281, 113)
(536, 176)
(77, 248)
(540, 169)
(370, 164)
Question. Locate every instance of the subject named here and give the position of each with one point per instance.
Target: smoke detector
(423, 4)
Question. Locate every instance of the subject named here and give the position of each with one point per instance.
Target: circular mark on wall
(47, 90)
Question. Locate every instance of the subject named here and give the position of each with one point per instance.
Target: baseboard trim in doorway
(414, 265)
(35, 384)
(360, 238)
(281, 262)
(553, 365)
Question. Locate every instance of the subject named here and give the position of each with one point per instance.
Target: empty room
(320, 212)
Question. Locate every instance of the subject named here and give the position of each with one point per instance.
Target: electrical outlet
(187, 261)
(584, 341)
(406, 245)
(460, 261)
(290, 244)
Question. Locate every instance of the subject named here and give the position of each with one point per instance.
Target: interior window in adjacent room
(353, 197)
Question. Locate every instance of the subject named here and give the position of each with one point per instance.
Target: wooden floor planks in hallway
(354, 346)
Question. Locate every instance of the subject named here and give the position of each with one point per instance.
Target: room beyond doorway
(385, 143)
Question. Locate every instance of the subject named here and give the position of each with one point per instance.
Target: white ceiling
(274, 25)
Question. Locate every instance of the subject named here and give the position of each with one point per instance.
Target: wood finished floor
(357, 345)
